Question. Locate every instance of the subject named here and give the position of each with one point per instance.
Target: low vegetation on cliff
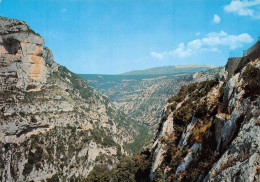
(54, 126)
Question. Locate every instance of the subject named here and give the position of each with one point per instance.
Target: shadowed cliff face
(53, 125)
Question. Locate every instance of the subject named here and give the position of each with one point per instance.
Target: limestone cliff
(53, 125)
(210, 131)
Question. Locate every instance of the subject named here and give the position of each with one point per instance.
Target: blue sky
(116, 36)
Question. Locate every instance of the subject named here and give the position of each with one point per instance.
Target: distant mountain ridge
(176, 69)
(142, 97)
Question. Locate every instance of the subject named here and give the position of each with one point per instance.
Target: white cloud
(243, 8)
(216, 19)
(216, 34)
(223, 39)
(157, 55)
(210, 42)
(181, 51)
(195, 44)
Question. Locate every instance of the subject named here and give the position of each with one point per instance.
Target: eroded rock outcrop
(214, 128)
(53, 125)
(24, 59)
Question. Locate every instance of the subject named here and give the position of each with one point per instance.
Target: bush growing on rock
(252, 79)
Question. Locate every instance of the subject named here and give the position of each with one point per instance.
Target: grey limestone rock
(224, 145)
(48, 115)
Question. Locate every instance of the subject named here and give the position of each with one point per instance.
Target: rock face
(24, 59)
(53, 125)
(210, 131)
(232, 64)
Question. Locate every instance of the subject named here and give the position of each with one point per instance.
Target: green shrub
(199, 131)
(201, 110)
(132, 168)
(33, 159)
(100, 173)
(140, 141)
(183, 115)
(54, 178)
(251, 76)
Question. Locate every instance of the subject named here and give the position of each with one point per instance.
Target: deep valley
(175, 123)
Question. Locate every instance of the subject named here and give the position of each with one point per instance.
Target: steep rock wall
(53, 125)
(213, 130)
